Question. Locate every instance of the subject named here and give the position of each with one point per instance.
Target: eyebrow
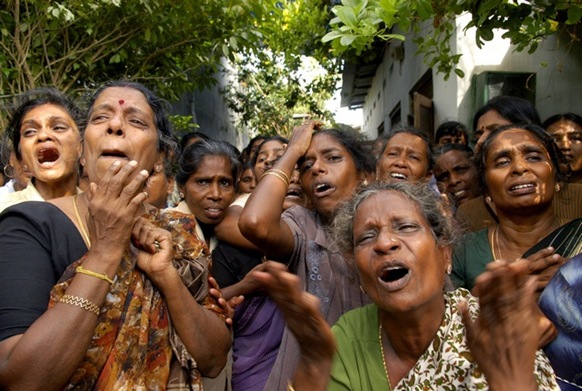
(331, 149)
(51, 119)
(108, 107)
(524, 149)
(502, 153)
(531, 148)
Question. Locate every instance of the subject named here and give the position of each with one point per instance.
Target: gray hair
(434, 208)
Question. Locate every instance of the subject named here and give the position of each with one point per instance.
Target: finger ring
(157, 245)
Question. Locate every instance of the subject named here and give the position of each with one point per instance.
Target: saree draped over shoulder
(473, 253)
(135, 346)
(447, 364)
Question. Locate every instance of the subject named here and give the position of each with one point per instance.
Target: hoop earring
(9, 171)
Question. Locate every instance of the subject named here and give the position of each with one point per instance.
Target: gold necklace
(81, 223)
(496, 257)
(383, 356)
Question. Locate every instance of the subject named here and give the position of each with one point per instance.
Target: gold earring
(158, 168)
(557, 187)
(181, 195)
(488, 199)
(365, 183)
(449, 269)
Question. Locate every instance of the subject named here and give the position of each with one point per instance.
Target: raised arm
(47, 354)
(228, 231)
(260, 221)
(506, 335)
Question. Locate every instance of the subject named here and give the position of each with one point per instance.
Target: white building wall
(557, 64)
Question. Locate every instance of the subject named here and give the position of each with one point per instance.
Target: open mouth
(459, 194)
(293, 193)
(394, 278)
(393, 274)
(48, 155)
(522, 189)
(213, 213)
(398, 175)
(524, 186)
(322, 189)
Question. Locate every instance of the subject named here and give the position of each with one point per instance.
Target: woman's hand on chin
(156, 250)
(114, 204)
(505, 336)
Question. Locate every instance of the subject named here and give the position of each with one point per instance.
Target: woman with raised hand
(95, 296)
(46, 139)
(254, 354)
(415, 335)
(332, 165)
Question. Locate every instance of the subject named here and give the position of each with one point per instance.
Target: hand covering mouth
(48, 155)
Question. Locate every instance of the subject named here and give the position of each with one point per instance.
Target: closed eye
(28, 132)
(364, 238)
(533, 156)
(502, 162)
(306, 166)
(407, 227)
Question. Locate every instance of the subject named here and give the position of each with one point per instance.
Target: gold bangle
(282, 173)
(104, 277)
(281, 177)
(81, 302)
(290, 386)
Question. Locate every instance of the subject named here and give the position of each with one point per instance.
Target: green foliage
(170, 45)
(359, 23)
(273, 82)
(183, 124)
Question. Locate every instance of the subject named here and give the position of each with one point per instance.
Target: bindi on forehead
(121, 102)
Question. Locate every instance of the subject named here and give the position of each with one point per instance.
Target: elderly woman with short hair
(414, 335)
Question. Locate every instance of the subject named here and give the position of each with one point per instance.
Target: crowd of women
(133, 260)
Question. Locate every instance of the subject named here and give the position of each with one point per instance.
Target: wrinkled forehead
(125, 98)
